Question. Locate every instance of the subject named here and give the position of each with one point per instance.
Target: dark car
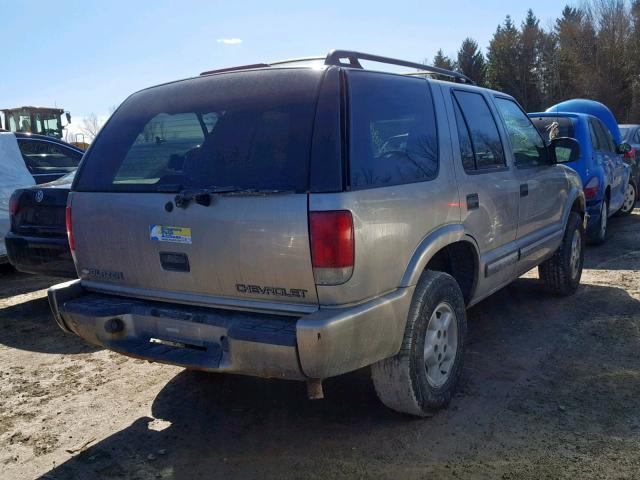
(48, 158)
(37, 241)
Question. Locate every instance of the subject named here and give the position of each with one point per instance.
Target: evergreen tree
(592, 51)
(471, 61)
(529, 60)
(442, 61)
(503, 59)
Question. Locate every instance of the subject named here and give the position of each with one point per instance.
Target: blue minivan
(603, 171)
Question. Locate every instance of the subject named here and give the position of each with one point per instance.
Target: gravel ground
(550, 389)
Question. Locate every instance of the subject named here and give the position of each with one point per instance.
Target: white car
(13, 175)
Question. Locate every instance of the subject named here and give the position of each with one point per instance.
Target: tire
(561, 273)
(600, 235)
(630, 198)
(404, 382)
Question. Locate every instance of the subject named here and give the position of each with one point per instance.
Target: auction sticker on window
(161, 233)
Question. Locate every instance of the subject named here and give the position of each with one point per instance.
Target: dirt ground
(551, 389)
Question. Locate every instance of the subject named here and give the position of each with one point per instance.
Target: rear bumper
(319, 345)
(40, 255)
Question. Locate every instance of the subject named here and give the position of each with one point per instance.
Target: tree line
(591, 51)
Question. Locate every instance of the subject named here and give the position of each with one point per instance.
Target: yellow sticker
(160, 233)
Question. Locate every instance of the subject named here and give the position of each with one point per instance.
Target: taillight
(630, 154)
(14, 205)
(67, 217)
(332, 246)
(591, 188)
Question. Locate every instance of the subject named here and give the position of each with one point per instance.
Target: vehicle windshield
(554, 127)
(251, 130)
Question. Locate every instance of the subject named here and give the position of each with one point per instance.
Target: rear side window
(245, 130)
(392, 127)
(464, 138)
(605, 141)
(41, 156)
(475, 121)
(595, 141)
(608, 138)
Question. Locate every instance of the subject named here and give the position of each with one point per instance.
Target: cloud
(230, 41)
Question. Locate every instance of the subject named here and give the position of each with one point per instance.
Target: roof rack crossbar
(335, 57)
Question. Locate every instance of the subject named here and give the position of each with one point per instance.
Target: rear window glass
(554, 127)
(393, 136)
(245, 130)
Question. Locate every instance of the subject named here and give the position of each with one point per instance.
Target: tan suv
(301, 221)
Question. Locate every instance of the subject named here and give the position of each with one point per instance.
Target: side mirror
(565, 149)
(68, 116)
(624, 147)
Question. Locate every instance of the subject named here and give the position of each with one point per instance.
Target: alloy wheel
(441, 344)
(629, 198)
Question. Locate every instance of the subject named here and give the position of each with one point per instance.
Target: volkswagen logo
(39, 195)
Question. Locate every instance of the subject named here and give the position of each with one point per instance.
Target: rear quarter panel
(391, 222)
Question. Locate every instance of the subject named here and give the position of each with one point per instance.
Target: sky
(88, 56)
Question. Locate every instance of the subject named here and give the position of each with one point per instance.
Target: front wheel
(561, 273)
(421, 378)
(630, 197)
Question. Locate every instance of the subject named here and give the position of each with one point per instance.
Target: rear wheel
(600, 234)
(422, 377)
(630, 197)
(562, 272)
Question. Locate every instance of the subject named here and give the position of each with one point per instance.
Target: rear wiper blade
(202, 196)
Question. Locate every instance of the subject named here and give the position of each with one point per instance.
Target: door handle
(473, 201)
(524, 189)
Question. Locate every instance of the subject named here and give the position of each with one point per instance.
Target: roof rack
(233, 69)
(336, 57)
(263, 65)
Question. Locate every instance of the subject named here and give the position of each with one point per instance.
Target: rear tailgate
(249, 132)
(237, 248)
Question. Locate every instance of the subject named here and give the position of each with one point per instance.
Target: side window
(481, 128)
(595, 140)
(42, 157)
(609, 143)
(392, 128)
(528, 148)
(466, 148)
(605, 140)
